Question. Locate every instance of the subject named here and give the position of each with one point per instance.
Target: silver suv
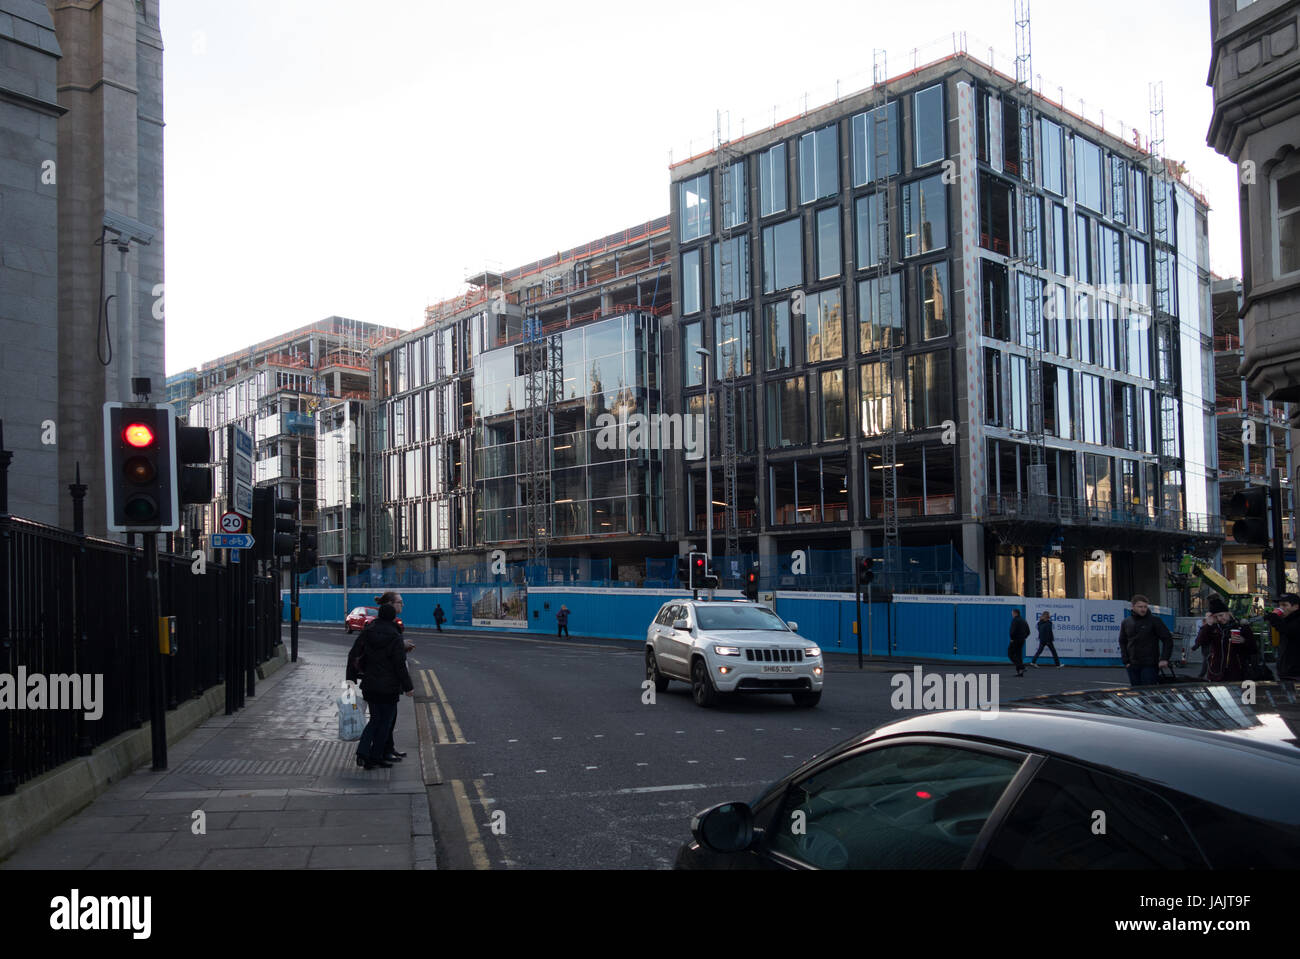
(731, 647)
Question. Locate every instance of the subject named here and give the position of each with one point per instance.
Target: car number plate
(778, 669)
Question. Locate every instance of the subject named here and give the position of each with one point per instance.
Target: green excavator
(1192, 572)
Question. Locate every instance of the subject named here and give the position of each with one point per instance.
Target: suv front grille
(774, 655)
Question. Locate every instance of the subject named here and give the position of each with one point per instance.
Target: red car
(360, 618)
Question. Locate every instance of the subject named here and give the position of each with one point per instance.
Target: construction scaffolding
(1164, 308)
(540, 359)
(891, 361)
(1029, 263)
(730, 352)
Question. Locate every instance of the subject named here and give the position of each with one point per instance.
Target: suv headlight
(727, 650)
(811, 651)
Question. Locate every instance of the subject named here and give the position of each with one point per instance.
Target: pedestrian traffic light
(193, 483)
(1250, 510)
(307, 551)
(698, 563)
(140, 468)
(273, 535)
(865, 575)
(751, 583)
(683, 571)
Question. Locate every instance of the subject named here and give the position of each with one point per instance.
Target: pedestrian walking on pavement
(439, 617)
(1145, 643)
(1046, 640)
(1286, 620)
(384, 682)
(562, 622)
(1019, 633)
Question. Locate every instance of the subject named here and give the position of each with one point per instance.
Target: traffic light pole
(1277, 558)
(293, 608)
(157, 710)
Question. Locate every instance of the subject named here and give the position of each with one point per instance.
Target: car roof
(1196, 739)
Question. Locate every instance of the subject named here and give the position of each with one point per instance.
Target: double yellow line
(473, 835)
(445, 733)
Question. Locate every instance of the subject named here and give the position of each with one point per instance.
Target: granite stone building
(1255, 73)
(29, 257)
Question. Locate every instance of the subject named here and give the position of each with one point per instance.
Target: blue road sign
(231, 541)
(234, 555)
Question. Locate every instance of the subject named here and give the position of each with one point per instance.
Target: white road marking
(640, 734)
(512, 740)
(487, 774)
(557, 737)
(643, 764)
(539, 770)
(693, 761)
(592, 767)
(660, 789)
(739, 759)
(599, 736)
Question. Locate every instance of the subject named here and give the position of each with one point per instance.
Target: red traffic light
(138, 435)
(699, 563)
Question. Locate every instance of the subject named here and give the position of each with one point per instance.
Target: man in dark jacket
(1286, 620)
(1046, 640)
(384, 681)
(1019, 633)
(562, 622)
(1228, 645)
(439, 617)
(1145, 644)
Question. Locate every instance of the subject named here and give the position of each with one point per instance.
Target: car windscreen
(737, 617)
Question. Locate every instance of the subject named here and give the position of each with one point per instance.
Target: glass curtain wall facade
(600, 485)
(1125, 456)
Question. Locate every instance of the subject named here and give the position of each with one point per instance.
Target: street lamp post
(708, 459)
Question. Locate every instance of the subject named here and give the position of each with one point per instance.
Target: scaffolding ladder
(1030, 280)
(890, 358)
(1165, 322)
(728, 348)
(535, 422)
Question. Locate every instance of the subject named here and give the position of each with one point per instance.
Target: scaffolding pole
(1029, 263)
(729, 351)
(883, 174)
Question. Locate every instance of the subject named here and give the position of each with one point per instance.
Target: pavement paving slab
(271, 787)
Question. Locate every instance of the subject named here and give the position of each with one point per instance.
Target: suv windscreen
(738, 616)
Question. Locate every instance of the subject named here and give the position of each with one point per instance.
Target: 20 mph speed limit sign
(232, 523)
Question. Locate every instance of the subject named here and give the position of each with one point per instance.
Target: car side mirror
(727, 828)
(681, 624)
(794, 627)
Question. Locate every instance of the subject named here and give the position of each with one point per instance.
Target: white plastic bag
(352, 712)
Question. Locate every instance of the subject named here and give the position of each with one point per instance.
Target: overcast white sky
(327, 157)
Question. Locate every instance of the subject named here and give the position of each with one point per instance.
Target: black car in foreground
(1170, 777)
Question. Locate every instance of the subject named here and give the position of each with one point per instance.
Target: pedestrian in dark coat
(1045, 639)
(439, 617)
(1228, 645)
(562, 622)
(1145, 643)
(1016, 649)
(1286, 620)
(384, 681)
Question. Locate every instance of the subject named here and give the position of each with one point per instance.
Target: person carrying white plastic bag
(352, 712)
